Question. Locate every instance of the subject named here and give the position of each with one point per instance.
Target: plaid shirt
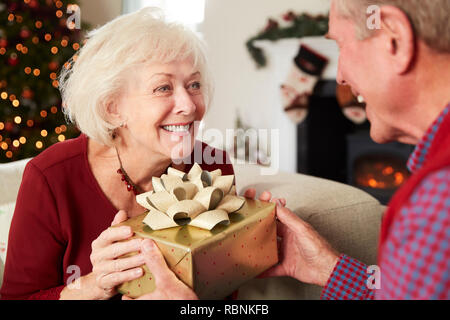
(415, 261)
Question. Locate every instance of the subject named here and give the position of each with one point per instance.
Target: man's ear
(400, 38)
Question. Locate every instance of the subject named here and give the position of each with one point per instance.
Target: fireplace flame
(381, 176)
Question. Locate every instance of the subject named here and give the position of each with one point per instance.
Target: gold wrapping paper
(216, 262)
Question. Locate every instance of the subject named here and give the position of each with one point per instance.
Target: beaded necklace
(131, 186)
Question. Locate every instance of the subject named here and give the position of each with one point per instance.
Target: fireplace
(377, 169)
(332, 147)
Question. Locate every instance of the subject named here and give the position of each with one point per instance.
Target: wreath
(290, 25)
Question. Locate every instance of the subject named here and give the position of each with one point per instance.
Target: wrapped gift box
(216, 262)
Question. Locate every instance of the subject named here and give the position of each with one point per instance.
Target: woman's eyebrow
(171, 75)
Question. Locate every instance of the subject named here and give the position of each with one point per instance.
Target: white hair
(98, 73)
(429, 18)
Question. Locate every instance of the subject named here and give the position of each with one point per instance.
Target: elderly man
(402, 70)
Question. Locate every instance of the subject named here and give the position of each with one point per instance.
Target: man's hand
(303, 253)
(168, 286)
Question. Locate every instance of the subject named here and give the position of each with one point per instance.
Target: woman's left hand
(168, 286)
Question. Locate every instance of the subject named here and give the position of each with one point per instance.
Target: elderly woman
(136, 91)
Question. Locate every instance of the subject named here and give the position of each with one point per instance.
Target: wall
(98, 12)
(228, 25)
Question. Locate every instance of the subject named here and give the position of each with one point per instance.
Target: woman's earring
(122, 124)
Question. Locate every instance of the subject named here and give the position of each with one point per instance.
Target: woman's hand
(107, 270)
(303, 253)
(168, 286)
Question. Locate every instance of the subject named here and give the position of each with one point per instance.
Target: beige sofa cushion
(11, 177)
(347, 217)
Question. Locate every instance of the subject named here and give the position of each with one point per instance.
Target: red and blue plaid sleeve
(416, 256)
(348, 281)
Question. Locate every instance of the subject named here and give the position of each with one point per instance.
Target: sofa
(347, 217)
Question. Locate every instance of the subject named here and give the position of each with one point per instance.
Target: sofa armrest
(11, 177)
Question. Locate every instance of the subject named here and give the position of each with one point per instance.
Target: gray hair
(429, 18)
(98, 73)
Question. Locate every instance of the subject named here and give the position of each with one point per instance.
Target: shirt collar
(419, 156)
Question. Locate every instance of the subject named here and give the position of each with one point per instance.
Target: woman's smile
(178, 129)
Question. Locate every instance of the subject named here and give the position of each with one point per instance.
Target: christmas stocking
(305, 72)
(353, 109)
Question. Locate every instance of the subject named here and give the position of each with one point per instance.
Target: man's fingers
(279, 201)
(290, 219)
(121, 216)
(277, 271)
(250, 193)
(265, 196)
(155, 261)
(281, 229)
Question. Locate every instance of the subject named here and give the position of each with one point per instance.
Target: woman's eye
(162, 89)
(195, 85)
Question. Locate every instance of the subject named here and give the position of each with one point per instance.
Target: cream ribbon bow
(198, 198)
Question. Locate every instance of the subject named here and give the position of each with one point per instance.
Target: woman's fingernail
(138, 272)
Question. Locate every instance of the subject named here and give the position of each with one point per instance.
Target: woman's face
(161, 108)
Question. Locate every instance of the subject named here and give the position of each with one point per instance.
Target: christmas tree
(37, 39)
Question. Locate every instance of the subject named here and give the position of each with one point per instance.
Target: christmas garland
(290, 25)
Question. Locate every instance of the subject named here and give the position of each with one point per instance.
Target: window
(190, 13)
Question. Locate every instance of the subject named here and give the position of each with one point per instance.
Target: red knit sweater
(60, 210)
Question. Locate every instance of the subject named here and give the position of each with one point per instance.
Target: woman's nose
(184, 103)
